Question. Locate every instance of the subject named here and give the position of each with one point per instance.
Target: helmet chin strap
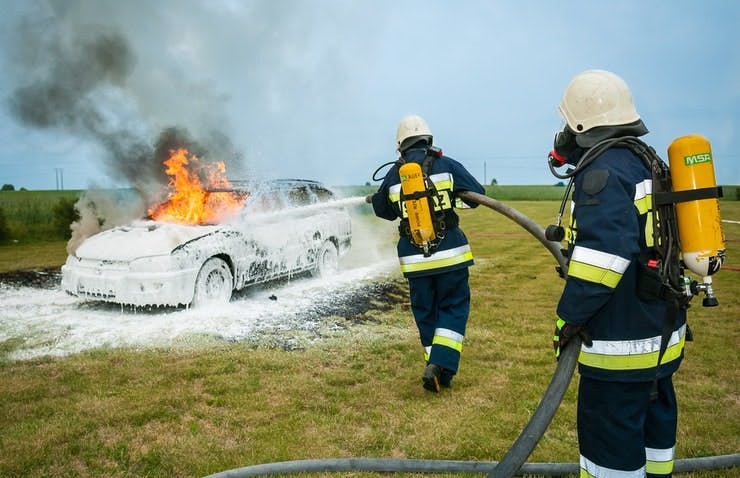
(408, 143)
(600, 133)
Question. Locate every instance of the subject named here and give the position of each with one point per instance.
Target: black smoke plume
(78, 80)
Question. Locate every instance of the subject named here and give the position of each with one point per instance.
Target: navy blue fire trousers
(441, 304)
(621, 429)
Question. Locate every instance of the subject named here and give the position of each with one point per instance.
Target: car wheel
(214, 283)
(327, 261)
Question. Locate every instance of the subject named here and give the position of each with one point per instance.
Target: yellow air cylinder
(699, 223)
(417, 210)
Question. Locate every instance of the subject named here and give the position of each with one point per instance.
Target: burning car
(277, 229)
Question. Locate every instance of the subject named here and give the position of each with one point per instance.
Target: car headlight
(152, 264)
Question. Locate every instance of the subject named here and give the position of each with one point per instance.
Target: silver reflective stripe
(659, 460)
(448, 338)
(660, 454)
(643, 189)
(633, 347)
(446, 254)
(600, 259)
(643, 196)
(442, 179)
(597, 471)
(394, 193)
(450, 334)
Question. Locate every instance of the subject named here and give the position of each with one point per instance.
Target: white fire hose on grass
(513, 461)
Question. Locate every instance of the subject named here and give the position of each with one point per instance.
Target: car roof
(284, 191)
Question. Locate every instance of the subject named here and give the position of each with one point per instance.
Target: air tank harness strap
(442, 219)
(690, 195)
(449, 220)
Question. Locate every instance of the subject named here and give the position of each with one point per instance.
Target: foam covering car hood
(139, 239)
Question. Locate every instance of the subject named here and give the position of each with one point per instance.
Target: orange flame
(188, 202)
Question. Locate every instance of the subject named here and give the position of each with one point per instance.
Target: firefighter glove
(564, 332)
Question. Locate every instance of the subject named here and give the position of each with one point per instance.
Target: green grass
(29, 214)
(191, 412)
(32, 255)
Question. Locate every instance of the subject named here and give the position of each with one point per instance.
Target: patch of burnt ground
(48, 278)
(358, 306)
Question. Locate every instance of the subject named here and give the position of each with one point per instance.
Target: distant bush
(8, 187)
(4, 231)
(64, 214)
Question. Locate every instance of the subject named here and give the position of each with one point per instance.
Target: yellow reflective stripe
(644, 196)
(442, 178)
(444, 254)
(585, 474)
(445, 185)
(571, 231)
(427, 352)
(447, 342)
(643, 205)
(594, 274)
(597, 266)
(659, 460)
(630, 362)
(659, 467)
(649, 241)
(394, 193)
(442, 181)
(437, 263)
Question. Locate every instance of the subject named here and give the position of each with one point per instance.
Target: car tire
(327, 260)
(214, 283)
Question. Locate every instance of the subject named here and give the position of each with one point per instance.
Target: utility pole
(59, 178)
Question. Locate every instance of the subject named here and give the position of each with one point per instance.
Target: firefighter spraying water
(433, 251)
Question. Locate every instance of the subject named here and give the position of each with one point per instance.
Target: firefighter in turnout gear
(420, 189)
(627, 409)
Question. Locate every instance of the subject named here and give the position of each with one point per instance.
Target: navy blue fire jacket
(611, 225)
(449, 177)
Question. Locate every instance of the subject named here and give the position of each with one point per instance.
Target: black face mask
(565, 148)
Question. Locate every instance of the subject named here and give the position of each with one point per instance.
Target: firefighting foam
(52, 323)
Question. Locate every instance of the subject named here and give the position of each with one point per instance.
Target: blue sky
(315, 88)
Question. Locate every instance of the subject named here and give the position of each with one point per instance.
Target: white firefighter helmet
(597, 98)
(412, 126)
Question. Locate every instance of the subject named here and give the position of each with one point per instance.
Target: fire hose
(513, 462)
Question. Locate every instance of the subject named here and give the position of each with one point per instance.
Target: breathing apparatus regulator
(687, 230)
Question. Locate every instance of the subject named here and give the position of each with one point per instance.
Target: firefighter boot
(445, 378)
(431, 377)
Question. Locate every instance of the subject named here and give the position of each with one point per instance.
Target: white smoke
(101, 209)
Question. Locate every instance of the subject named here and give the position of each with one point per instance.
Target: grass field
(29, 215)
(191, 412)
